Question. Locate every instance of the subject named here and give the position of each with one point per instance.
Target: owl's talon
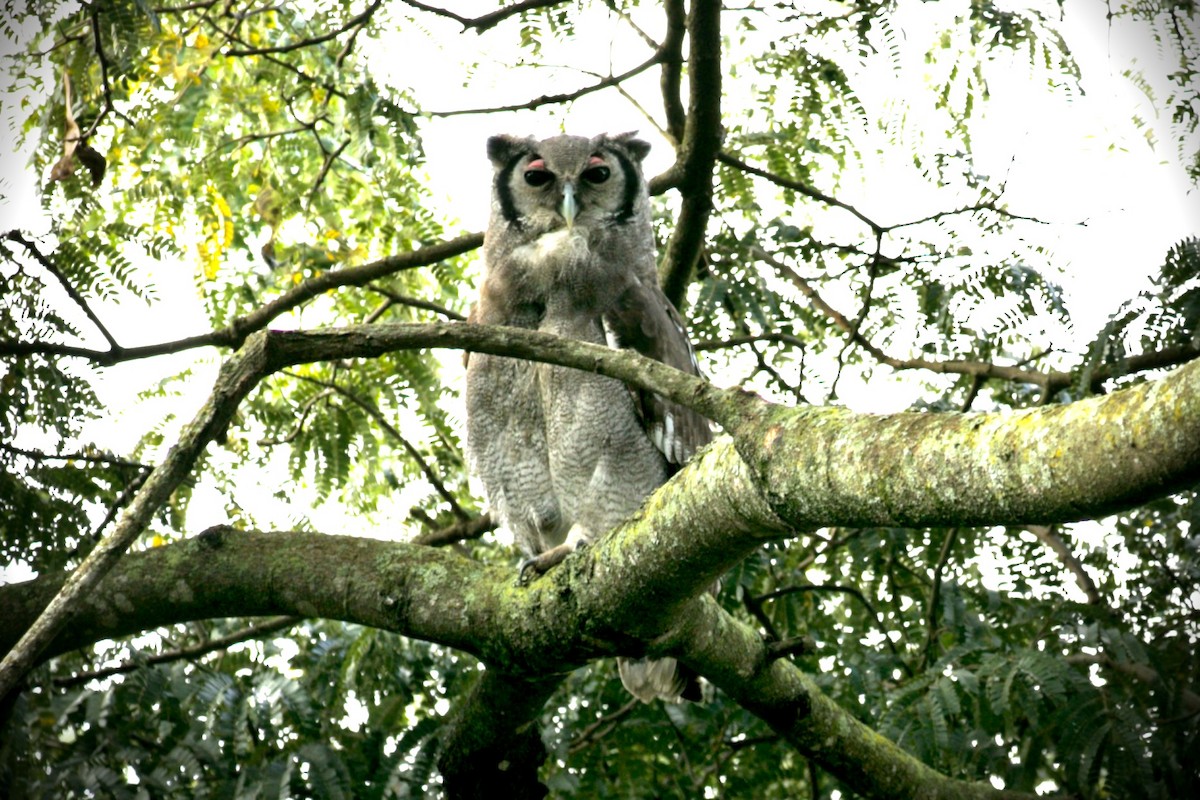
(533, 568)
(527, 572)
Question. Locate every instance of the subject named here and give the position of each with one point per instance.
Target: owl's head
(566, 181)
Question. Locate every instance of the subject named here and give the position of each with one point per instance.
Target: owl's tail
(648, 678)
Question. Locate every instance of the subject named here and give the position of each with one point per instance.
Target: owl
(565, 455)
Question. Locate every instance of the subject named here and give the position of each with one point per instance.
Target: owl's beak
(569, 207)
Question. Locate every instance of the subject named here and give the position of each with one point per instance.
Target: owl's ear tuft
(638, 148)
(503, 148)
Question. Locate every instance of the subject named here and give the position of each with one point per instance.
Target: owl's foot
(537, 566)
(533, 568)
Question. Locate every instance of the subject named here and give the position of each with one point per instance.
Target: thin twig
(74, 294)
(549, 99)
(738, 341)
(301, 419)
(935, 594)
(255, 631)
(487, 21)
(392, 431)
(600, 728)
(236, 332)
(330, 158)
(842, 589)
(91, 458)
(126, 496)
(802, 188)
(467, 529)
(354, 22)
(1048, 536)
(1141, 672)
(981, 368)
(413, 302)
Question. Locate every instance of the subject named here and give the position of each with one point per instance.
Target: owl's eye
(538, 177)
(597, 174)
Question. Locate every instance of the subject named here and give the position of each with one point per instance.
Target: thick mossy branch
(812, 466)
(528, 637)
(635, 591)
(222, 572)
(825, 466)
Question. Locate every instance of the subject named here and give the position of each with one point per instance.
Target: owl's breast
(555, 248)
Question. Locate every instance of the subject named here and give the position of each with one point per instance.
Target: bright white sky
(1068, 159)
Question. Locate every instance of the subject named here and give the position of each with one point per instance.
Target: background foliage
(252, 149)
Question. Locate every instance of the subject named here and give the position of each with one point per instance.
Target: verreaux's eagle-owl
(566, 455)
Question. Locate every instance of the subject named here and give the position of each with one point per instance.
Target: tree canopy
(953, 508)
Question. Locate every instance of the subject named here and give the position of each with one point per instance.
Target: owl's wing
(644, 319)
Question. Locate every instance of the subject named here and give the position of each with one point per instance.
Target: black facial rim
(632, 186)
(508, 208)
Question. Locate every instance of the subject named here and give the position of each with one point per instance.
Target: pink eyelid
(594, 160)
(536, 164)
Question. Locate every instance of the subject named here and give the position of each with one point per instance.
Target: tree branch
(591, 606)
(236, 332)
(1049, 381)
(491, 746)
(354, 22)
(486, 21)
(549, 99)
(255, 630)
(1049, 537)
(832, 467)
(72, 292)
(693, 170)
(672, 70)
(468, 529)
(631, 593)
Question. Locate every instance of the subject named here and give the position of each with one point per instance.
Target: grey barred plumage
(565, 455)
